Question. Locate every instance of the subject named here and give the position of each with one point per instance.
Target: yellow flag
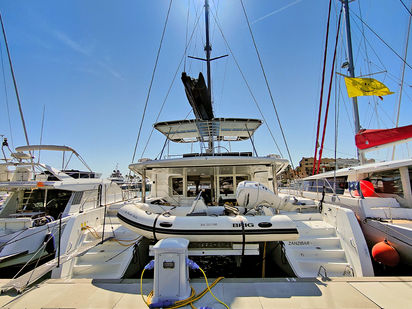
(365, 86)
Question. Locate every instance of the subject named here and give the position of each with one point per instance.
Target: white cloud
(75, 46)
(276, 11)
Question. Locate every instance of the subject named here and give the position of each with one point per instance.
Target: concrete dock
(374, 292)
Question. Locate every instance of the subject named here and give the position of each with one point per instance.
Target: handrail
(349, 271)
(320, 274)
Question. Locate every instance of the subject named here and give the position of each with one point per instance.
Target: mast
(208, 49)
(351, 70)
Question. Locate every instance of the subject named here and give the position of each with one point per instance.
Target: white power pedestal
(171, 274)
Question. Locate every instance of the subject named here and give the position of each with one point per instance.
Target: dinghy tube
(208, 228)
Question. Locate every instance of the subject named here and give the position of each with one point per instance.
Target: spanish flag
(365, 86)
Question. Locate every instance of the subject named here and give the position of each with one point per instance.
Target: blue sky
(89, 63)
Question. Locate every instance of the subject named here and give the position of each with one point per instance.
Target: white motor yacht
(48, 209)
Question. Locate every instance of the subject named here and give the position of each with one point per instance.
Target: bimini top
(220, 129)
(52, 148)
(46, 147)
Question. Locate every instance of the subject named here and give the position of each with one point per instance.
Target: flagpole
(351, 70)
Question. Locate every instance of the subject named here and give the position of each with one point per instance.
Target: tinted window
(387, 182)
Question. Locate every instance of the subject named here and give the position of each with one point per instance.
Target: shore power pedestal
(171, 274)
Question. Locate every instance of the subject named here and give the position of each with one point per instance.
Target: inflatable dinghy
(201, 223)
(208, 228)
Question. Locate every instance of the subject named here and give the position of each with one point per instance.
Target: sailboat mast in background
(351, 69)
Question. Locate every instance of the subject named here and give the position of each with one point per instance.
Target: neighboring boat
(43, 201)
(220, 200)
(379, 193)
(117, 177)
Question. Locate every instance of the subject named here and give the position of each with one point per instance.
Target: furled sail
(198, 95)
(368, 140)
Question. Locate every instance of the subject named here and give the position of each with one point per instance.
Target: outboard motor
(250, 194)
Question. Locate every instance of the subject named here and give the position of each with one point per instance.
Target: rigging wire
(15, 84)
(329, 92)
(247, 84)
(409, 11)
(187, 27)
(41, 131)
(267, 84)
(374, 98)
(377, 35)
(389, 75)
(346, 109)
(151, 81)
(337, 113)
(321, 89)
(370, 45)
(6, 97)
(171, 85)
(216, 8)
(402, 79)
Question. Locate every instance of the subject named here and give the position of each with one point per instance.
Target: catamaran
(226, 202)
(379, 193)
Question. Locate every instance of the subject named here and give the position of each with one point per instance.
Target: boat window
(239, 179)
(226, 185)
(53, 204)
(388, 182)
(315, 185)
(195, 184)
(340, 185)
(77, 198)
(410, 175)
(177, 186)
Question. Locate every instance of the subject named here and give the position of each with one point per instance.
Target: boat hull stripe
(263, 231)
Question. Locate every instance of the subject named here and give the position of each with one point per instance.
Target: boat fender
(384, 253)
(49, 241)
(367, 188)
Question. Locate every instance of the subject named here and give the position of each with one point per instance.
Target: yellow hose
(211, 291)
(192, 298)
(126, 242)
(141, 288)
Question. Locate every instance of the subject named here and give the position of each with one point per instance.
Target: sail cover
(198, 95)
(368, 140)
